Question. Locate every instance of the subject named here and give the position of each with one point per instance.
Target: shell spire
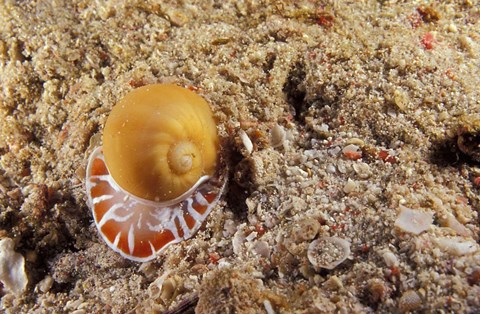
(140, 224)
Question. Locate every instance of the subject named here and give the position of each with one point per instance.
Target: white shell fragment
(350, 186)
(155, 288)
(268, 307)
(413, 221)
(351, 148)
(12, 268)
(328, 252)
(45, 284)
(247, 142)
(238, 240)
(278, 135)
(261, 248)
(451, 222)
(229, 228)
(389, 258)
(456, 245)
(362, 169)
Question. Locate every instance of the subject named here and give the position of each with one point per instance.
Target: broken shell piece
(413, 221)
(377, 290)
(305, 229)
(362, 169)
(333, 284)
(410, 301)
(261, 248)
(12, 268)
(355, 141)
(278, 135)
(170, 289)
(268, 307)
(164, 287)
(456, 245)
(352, 151)
(229, 228)
(451, 222)
(247, 142)
(389, 258)
(238, 240)
(328, 252)
(45, 285)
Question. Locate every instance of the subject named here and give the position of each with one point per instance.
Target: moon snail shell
(158, 174)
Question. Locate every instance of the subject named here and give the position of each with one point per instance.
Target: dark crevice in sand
(294, 90)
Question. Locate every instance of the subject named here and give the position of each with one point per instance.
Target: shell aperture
(137, 216)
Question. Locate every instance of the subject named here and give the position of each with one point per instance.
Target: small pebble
(330, 168)
(247, 143)
(45, 284)
(350, 186)
(389, 258)
(452, 28)
(278, 135)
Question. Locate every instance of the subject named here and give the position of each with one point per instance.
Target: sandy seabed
(360, 192)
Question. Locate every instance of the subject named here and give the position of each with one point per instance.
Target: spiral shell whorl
(182, 157)
(159, 140)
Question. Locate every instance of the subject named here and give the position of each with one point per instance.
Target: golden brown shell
(159, 141)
